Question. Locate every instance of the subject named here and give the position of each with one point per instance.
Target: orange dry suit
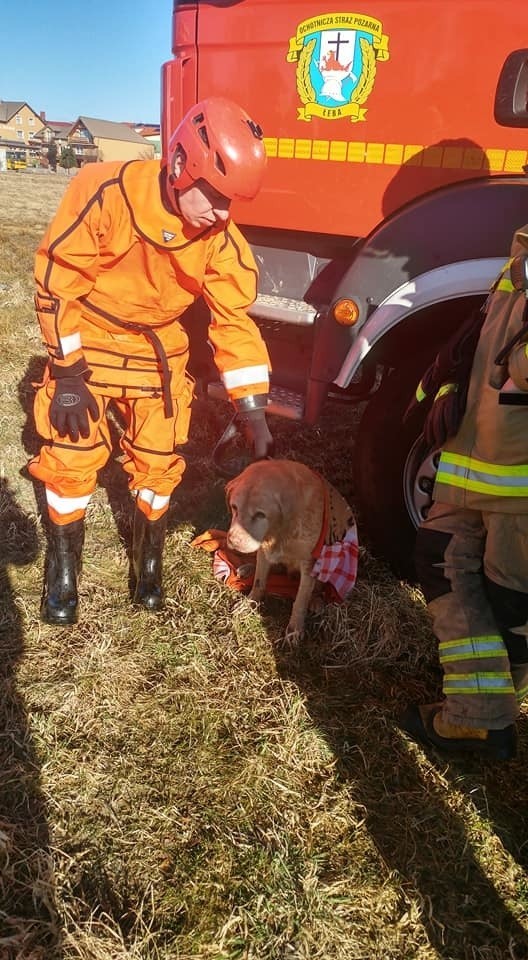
(472, 549)
(114, 273)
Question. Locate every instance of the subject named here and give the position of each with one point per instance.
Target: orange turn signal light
(346, 312)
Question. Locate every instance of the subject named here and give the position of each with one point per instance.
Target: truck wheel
(393, 472)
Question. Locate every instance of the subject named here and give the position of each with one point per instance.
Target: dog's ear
(229, 487)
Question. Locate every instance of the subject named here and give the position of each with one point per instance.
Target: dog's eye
(259, 515)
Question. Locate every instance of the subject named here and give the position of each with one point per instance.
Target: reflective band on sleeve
(475, 683)
(71, 343)
(472, 648)
(66, 504)
(420, 393)
(154, 500)
(445, 389)
(495, 480)
(505, 285)
(245, 377)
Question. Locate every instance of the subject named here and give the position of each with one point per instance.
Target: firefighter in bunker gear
(472, 549)
(446, 382)
(131, 247)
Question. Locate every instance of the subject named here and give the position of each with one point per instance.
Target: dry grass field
(179, 786)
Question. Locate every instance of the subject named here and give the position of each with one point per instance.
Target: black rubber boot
(63, 565)
(147, 554)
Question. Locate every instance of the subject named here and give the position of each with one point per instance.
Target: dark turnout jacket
(485, 465)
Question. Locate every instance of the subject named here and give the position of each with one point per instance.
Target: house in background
(151, 133)
(53, 131)
(56, 130)
(25, 137)
(18, 121)
(18, 125)
(93, 139)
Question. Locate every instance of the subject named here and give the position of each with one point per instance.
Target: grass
(180, 786)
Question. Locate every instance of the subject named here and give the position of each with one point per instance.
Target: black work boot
(63, 565)
(147, 553)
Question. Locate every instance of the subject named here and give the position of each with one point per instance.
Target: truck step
(282, 402)
(283, 310)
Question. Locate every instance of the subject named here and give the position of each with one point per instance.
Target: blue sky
(95, 58)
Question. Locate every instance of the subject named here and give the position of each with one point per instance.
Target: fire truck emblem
(336, 56)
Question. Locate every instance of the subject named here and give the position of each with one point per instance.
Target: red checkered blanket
(337, 564)
(336, 567)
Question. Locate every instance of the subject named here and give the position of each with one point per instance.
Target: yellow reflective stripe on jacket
(472, 648)
(504, 283)
(420, 393)
(445, 389)
(496, 480)
(476, 683)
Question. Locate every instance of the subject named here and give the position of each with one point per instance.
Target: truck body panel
(426, 74)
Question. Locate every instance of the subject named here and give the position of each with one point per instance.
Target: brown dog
(283, 510)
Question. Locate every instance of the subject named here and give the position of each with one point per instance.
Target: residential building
(56, 130)
(18, 125)
(94, 139)
(25, 136)
(151, 133)
(18, 121)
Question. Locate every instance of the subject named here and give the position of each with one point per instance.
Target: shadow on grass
(410, 800)
(411, 807)
(28, 917)
(499, 794)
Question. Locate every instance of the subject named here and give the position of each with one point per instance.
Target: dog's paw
(292, 636)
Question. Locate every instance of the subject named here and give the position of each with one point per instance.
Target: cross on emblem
(337, 43)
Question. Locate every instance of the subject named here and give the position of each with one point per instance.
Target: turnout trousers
(149, 443)
(473, 569)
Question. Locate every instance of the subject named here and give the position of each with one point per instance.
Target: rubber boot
(147, 554)
(65, 543)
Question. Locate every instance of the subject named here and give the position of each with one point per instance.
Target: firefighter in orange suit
(131, 247)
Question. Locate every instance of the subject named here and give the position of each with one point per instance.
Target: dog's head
(258, 500)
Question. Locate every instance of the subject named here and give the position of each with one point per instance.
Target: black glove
(256, 432)
(70, 407)
(444, 417)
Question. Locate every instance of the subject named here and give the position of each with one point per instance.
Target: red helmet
(223, 146)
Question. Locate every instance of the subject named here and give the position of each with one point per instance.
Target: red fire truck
(397, 141)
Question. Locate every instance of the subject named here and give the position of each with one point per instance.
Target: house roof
(8, 108)
(59, 126)
(59, 129)
(108, 130)
(151, 130)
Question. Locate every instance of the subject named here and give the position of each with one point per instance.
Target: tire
(393, 471)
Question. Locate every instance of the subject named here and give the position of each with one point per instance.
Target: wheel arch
(448, 243)
(421, 312)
